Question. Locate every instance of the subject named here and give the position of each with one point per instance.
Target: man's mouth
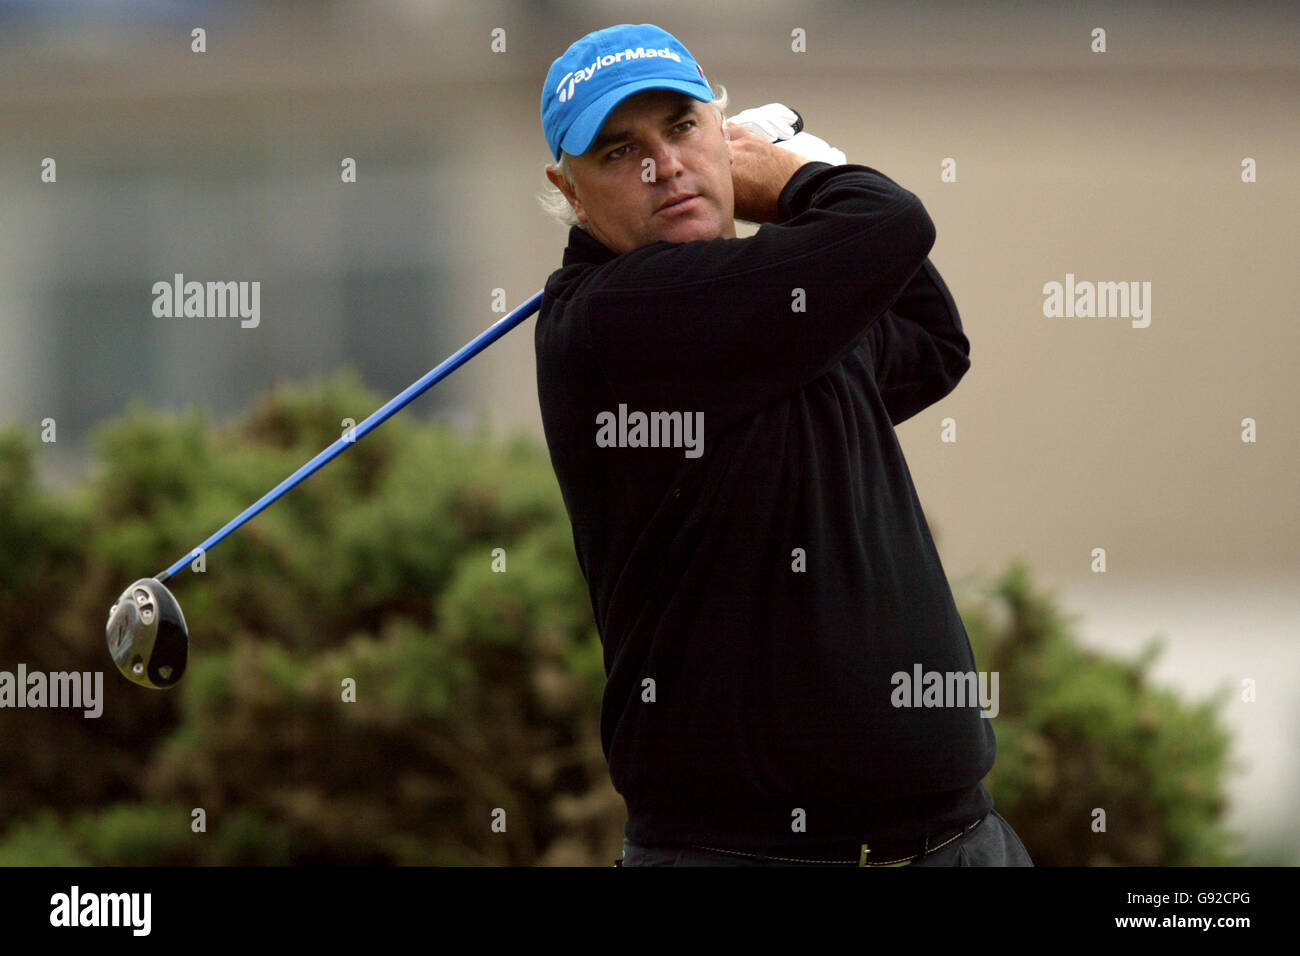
(683, 201)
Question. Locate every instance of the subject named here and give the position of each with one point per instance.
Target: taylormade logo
(102, 909)
(565, 88)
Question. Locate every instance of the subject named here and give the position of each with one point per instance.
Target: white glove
(815, 148)
(775, 122)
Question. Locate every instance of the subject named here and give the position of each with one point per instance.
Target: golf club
(146, 632)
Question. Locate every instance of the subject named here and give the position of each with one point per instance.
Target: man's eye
(616, 153)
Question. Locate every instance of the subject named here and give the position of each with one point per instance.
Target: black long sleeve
(919, 349)
(754, 602)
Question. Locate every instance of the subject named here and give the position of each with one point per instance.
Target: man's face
(691, 156)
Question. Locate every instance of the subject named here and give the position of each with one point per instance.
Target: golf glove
(776, 123)
(815, 148)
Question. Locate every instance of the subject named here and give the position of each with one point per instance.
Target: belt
(876, 853)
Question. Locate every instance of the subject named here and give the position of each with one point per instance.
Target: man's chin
(688, 230)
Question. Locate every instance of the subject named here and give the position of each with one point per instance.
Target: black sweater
(740, 688)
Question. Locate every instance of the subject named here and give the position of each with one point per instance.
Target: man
(720, 415)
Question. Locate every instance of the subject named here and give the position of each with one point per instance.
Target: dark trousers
(992, 843)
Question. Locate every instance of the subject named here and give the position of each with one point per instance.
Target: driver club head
(147, 636)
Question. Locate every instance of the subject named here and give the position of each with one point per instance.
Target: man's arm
(724, 326)
(918, 347)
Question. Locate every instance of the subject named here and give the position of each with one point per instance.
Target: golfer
(720, 415)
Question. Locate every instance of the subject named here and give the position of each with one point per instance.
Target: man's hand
(774, 122)
(814, 148)
(759, 171)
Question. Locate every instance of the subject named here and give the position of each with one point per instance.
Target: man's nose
(667, 159)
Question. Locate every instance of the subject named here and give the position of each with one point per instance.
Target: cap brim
(587, 126)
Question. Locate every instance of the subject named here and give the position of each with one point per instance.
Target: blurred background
(1073, 434)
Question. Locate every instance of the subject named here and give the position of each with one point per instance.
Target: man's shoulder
(561, 323)
(583, 256)
(561, 289)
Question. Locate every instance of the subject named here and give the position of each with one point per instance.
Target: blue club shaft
(376, 418)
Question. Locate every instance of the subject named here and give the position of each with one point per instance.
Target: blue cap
(604, 68)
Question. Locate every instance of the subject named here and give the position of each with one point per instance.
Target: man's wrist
(789, 165)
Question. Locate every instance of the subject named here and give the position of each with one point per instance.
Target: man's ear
(556, 176)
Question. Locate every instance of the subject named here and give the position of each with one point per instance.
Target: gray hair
(558, 207)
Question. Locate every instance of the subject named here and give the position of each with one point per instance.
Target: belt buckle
(925, 847)
(862, 858)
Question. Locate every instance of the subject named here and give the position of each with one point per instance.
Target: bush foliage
(477, 692)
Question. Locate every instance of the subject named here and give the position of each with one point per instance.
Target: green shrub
(1079, 731)
(476, 692)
